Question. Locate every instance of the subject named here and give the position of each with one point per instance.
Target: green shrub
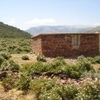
(59, 92)
(13, 66)
(9, 65)
(25, 57)
(85, 64)
(70, 92)
(89, 59)
(58, 61)
(23, 82)
(37, 85)
(32, 68)
(55, 66)
(14, 46)
(76, 71)
(8, 82)
(18, 50)
(81, 58)
(48, 89)
(4, 66)
(97, 74)
(1, 60)
(88, 75)
(73, 71)
(42, 87)
(5, 55)
(26, 50)
(96, 59)
(55, 93)
(41, 58)
(89, 91)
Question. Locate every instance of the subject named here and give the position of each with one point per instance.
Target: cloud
(91, 24)
(96, 24)
(41, 21)
(12, 21)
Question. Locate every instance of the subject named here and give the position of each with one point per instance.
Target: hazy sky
(28, 13)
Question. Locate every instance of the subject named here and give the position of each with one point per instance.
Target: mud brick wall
(56, 45)
(61, 45)
(89, 45)
(36, 45)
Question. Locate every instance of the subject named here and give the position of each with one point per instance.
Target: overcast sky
(29, 13)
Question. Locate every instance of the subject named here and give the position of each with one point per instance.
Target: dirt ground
(32, 58)
(18, 58)
(14, 94)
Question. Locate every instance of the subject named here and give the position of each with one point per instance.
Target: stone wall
(36, 45)
(61, 45)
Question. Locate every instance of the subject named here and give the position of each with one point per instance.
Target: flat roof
(64, 33)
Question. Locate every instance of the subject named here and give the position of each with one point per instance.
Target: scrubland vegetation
(15, 46)
(43, 80)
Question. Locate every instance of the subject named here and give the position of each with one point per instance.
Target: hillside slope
(7, 31)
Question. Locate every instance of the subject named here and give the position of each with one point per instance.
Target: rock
(36, 75)
(63, 81)
(3, 74)
(48, 74)
(88, 80)
(63, 76)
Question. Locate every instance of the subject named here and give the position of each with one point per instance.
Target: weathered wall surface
(36, 45)
(61, 45)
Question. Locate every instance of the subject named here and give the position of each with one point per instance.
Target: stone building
(66, 44)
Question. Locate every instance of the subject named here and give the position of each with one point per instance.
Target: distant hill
(53, 29)
(96, 29)
(7, 31)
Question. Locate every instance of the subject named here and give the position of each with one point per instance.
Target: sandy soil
(32, 58)
(14, 95)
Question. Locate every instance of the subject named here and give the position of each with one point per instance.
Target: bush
(89, 91)
(37, 85)
(23, 82)
(42, 88)
(14, 46)
(58, 61)
(89, 59)
(73, 71)
(96, 59)
(85, 64)
(5, 55)
(4, 66)
(9, 65)
(25, 57)
(48, 89)
(1, 60)
(13, 66)
(8, 82)
(41, 58)
(32, 68)
(70, 92)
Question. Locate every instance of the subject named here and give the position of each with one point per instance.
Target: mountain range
(96, 29)
(7, 31)
(55, 29)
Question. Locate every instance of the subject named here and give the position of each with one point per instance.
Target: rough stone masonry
(66, 44)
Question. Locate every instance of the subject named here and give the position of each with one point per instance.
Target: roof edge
(64, 33)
